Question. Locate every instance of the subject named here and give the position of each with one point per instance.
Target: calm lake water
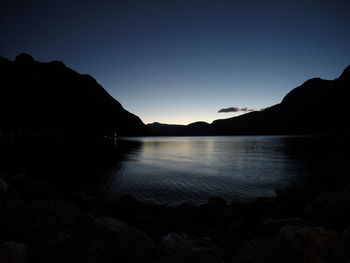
(173, 170)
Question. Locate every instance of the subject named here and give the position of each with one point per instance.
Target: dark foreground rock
(335, 213)
(313, 244)
(40, 222)
(133, 243)
(180, 247)
(260, 250)
(3, 187)
(296, 244)
(12, 252)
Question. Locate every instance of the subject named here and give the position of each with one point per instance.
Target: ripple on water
(192, 169)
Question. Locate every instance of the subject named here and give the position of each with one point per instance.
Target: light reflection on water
(192, 169)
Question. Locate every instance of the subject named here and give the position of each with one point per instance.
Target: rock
(312, 245)
(12, 252)
(268, 221)
(211, 218)
(132, 243)
(3, 187)
(336, 213)
(291, 202)
(295, 244)
(271, 226)
(313, 209)
(260, 250)
(261, 208)
(158, 226)
(67, 221)
(33, 189)
(83, 196)
(128, 207)
(346, 233)
(218, 202)
(180, 247)
(244, 228)
(94, 240)
(61, 238)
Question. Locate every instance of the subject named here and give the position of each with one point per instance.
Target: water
(173, 170)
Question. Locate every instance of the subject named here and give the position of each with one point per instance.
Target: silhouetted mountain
(196, 128)
(50, 98)
(316, 107)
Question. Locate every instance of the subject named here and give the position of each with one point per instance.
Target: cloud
(235, 109)
(231, 109)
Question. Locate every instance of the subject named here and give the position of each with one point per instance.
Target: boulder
(314, 208)
(244, 228)
(180, 247)
(346, 234)
(271, 226)
(12, 252)
(312, 245)
(218, 202)
(336, 213)
(33, 189)
(291, 202)
(295, 244)
(260, 250)
(3, 187)
(133, 244)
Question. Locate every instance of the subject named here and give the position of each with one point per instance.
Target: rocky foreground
(41, 223)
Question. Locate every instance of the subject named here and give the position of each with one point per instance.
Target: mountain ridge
(49, 98)
(318, 106)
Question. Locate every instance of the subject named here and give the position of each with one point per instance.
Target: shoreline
(42, 223)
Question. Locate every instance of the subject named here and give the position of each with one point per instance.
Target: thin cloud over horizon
(235, 109)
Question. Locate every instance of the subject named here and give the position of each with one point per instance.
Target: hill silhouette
(50, 98)
(316, 107)
(196, 128)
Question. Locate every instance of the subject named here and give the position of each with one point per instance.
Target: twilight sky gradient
(181, 61)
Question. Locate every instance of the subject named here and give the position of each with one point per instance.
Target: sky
(181, 61)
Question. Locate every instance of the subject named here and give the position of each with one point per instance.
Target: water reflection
(180, 169)
(320, 155)
(191, 169)
(71, 162)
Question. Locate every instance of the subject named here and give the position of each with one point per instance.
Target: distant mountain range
(50, 98)
(316, 107)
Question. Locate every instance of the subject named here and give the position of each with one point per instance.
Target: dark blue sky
(182, 61)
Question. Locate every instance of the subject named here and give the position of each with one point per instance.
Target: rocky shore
(41, 222)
